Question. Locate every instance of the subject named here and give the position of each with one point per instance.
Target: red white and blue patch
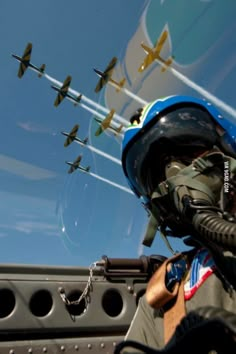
(201, 268)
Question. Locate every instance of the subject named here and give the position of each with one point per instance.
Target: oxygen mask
(193, 200)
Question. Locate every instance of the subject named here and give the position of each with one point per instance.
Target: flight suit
(204, 287)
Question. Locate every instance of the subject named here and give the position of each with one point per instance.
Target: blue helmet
(180, 126)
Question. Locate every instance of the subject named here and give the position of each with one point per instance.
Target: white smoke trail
(135, 97)
(227, 108)
(100, 152)
(129, 93)
(125, 189)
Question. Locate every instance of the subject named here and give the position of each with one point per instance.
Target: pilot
(136, 117)
(174, 156)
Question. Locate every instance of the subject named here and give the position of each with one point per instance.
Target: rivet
(114, 344)
(30, 350)
(11, 351)
(76, 347)
(62, 348)
(90, 346)
(44, 349)
(130, 289)
(102, 345)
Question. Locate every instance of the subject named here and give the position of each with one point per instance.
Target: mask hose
(215, 229)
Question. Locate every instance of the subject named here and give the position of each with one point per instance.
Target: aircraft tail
(85, 141)
(121, 84)
(42, 70)
(167, 63)
(78, 99)
(118, 130)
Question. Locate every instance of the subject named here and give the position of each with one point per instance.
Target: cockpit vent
(41, 303)
(112, 302)
(7, 302)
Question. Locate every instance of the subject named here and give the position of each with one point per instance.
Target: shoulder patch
(202, 267)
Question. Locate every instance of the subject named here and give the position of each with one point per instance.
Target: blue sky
(48, 216)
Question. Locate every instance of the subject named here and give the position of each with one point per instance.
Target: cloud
(24, 169)
(29, 227)
(34, 128)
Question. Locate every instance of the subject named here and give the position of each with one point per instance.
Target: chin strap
(151, 230)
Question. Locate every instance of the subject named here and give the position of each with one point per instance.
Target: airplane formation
(63, 91)
(111, 121)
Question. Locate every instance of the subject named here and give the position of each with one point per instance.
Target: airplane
(63, 92)
(76, 165)
(153, 54)
(105, 76)
(105, 124)
(55, 297)
(72, 136)
(25, 62)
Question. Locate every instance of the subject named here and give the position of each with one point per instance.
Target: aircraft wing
(77, 161)
(58, 99)
(100, 84)
(71, 169)
(71, 135)
(147, 60)
(63, 91)
(160, 42)
(106, 75)
(99, 130)
(25, 60)
(75, 164)
(110, 67)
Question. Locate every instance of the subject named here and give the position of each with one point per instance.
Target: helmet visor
(180, 131)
